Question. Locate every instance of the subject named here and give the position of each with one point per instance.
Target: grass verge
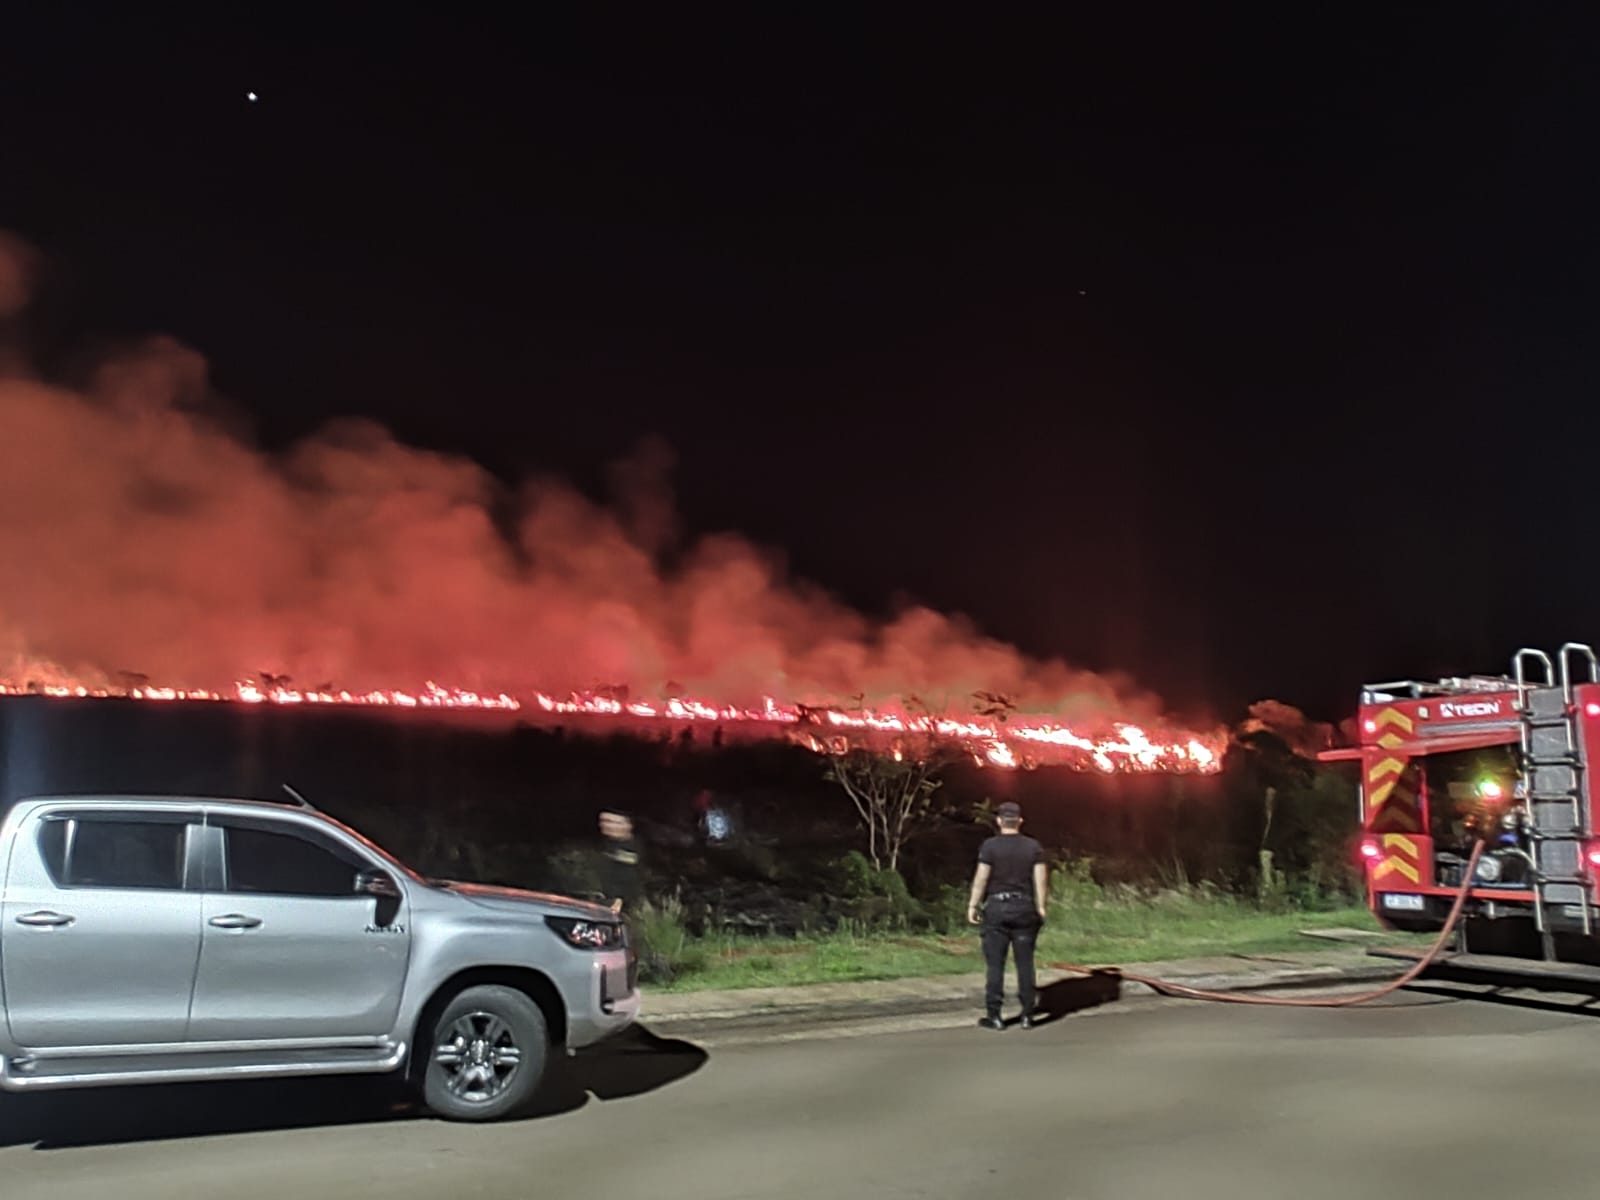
(1171, 926)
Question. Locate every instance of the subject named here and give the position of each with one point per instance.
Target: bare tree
(893, 780)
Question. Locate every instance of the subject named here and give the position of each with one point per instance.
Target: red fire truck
(1504, 759)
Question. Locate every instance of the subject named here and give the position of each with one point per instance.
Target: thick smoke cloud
(139, 533)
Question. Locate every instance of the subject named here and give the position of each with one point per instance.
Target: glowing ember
(1023, 741)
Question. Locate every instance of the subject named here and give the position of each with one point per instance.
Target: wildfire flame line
(1010, 745)
(431, 695)
(1130, 749)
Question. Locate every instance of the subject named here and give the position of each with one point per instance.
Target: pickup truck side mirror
(377, 883)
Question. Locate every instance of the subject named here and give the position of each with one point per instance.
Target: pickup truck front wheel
(487, 1055)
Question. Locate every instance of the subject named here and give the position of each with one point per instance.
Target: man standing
(620, 868)
(1012, 886)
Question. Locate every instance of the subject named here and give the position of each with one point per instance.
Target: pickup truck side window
(285, 864)
(114, 854)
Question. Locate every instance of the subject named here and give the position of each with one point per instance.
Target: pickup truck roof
(224, 803)
(146, 800)
(134, 798)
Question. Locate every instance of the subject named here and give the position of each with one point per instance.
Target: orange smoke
(147, 549)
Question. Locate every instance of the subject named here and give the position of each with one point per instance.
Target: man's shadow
(1067, 996)
(632, 1064)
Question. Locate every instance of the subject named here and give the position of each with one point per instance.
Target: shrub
(665, 947)
(1272, 886)
(874, 897)
(947, 911)
(1073, 885)
(746, 858)
(575, 872)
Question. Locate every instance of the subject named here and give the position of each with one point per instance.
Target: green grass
(1088, 928)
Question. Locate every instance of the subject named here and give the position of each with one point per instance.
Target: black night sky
(1247, 355)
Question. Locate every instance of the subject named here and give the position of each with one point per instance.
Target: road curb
(760, 1008)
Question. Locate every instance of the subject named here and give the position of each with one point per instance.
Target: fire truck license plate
(1402, 901)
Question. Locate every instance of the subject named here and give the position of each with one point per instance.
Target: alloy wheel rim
(480, 1057)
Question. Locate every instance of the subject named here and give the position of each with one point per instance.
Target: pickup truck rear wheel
(486, 1056)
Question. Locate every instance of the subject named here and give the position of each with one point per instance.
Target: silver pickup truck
(158, 939)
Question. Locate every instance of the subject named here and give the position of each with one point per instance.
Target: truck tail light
(1370, 849)
(1591, 855)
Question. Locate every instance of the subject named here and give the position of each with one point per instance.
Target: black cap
(1009, 811)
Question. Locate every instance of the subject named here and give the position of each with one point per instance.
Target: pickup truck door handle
(235, 921)
(46, 919)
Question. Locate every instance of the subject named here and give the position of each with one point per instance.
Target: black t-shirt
(1011, 857)
(620, 871)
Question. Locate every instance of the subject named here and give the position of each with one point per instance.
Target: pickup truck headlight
(587, 935)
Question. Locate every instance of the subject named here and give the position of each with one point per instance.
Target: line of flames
(1128, 748)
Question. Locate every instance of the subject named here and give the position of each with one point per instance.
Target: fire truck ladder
(1553, 772)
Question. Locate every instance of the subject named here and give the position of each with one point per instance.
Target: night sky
(1252, 357)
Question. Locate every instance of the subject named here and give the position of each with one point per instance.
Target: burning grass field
(1006, 742)
(1086, 926)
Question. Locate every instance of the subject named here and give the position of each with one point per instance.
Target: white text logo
(1478, 708)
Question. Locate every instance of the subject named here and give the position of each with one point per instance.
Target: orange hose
(1168, 988)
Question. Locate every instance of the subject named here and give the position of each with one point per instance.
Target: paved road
(1430, 1096)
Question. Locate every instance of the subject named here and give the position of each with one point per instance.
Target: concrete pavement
(1176, 1099)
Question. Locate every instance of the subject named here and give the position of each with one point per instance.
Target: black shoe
(991, 1023)
(1027, 1021)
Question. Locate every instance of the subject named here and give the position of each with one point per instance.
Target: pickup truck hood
(518, 900)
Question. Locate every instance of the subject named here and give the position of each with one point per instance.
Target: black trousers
(1011, 924)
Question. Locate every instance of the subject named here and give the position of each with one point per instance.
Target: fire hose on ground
(1181, 991)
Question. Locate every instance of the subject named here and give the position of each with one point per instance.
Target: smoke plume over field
(140, 533)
